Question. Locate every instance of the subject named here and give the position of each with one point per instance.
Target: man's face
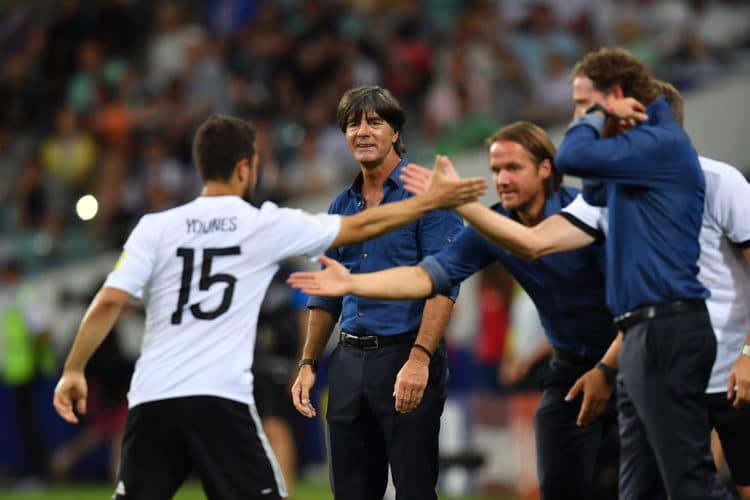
(585, 95)
(370, 139)
(518, 179)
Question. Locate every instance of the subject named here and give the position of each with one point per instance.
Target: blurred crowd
(102, 96)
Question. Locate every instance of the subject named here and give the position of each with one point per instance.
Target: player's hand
(333, 281)
(301, 391)
(411, 381)
(71, 388)
(442, 185)
(596, 393)
(738, 390)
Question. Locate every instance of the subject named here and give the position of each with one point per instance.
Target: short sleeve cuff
(330, 304)
(441, 284)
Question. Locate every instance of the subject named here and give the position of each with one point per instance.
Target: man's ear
(617, 92)
(545, 167)
(241, 169)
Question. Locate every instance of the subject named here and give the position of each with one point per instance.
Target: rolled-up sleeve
(441, 284)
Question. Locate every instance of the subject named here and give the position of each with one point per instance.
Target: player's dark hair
(537, 144)
(220, 143)
(360, 100)
(610, 67)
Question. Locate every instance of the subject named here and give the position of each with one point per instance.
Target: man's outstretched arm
(554, 234)
(405, 282)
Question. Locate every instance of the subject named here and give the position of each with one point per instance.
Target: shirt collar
(392, 179)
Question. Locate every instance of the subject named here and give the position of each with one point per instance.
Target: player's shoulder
(721, 169)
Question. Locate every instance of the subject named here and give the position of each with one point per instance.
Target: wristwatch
(308, 361)
(746, 350)
(597, 106)
(610, 374)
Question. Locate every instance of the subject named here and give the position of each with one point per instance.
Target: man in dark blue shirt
(388, 375)
(567, 288)
(652, 184)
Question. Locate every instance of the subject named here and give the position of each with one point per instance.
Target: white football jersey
(723, 267)
(202, 270)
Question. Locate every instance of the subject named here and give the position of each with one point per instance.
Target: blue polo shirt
(653, 186)
(567, 287)
(406, 246)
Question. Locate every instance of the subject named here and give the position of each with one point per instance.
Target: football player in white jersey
(724, 269)
(202, 270)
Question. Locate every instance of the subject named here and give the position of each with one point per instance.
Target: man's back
(202, 270)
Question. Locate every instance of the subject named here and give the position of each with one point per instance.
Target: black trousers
(664, 366)
(569, 458)
(367, 434)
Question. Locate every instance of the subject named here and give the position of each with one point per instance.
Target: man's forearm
(610, 357)
(381, 219)
(411, 282)
(320, 324)
(554, 234)
(435, 317)
(96, 324)
(514, 237)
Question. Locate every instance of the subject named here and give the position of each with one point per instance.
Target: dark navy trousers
(664, 367)
(366, 433)
(569, 457)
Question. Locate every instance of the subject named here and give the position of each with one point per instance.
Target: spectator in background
(26, 354)
(68, 157)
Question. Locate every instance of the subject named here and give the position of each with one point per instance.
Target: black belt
(368, 342)
(629, 319)
(571, 357)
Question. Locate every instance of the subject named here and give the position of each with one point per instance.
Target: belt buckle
(367, 346)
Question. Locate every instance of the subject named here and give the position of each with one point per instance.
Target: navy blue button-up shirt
(567, 288)
(653, 186)
(406, 246)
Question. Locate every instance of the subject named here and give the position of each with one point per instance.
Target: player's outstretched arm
(552, 235)
(335, 280)
(441, 192)
(96, 324)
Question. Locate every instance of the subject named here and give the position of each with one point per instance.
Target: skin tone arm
(101, 315)
(439, 192)
(404, 282)
(320, 324)
(412, 379)
(554, 234)
(596, 390)
(738, 389)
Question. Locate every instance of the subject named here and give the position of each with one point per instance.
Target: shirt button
(364, 256)
(360, 314)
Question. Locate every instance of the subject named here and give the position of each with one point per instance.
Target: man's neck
(374, 177)
(215, 188)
